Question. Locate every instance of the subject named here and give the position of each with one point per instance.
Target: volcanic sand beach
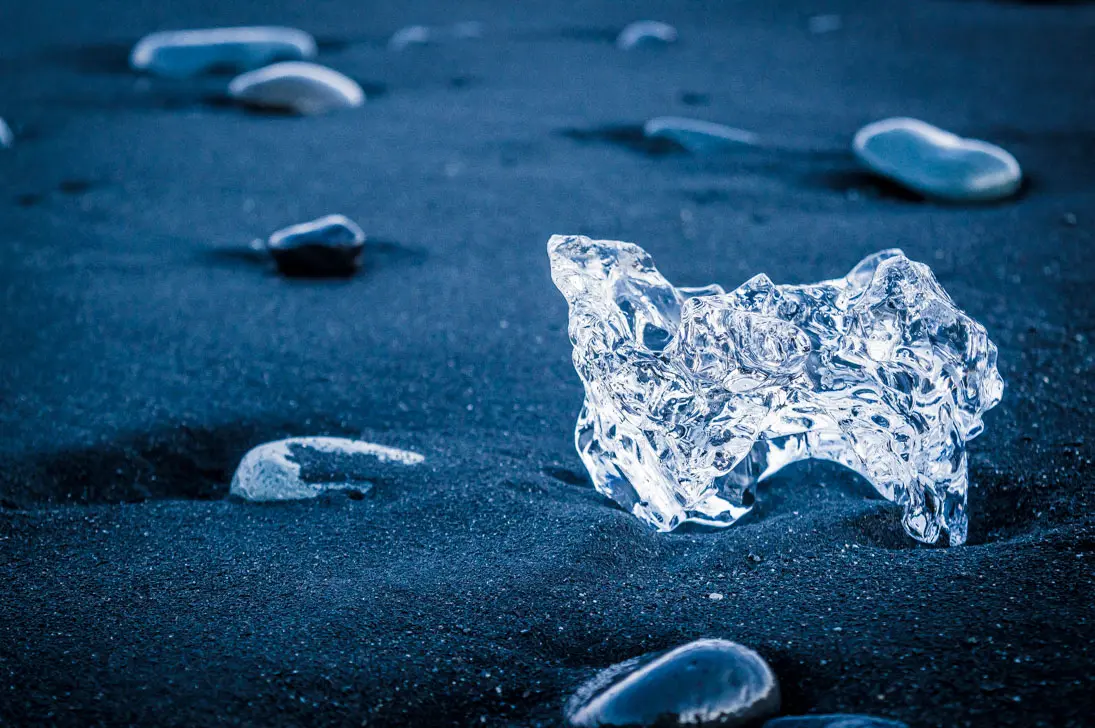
(147, 347)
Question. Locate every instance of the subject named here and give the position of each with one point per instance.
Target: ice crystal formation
(694, 395)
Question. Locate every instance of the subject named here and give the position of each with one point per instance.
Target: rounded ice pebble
(836, 720)
(7, 137)
(183, 53)
(935, 162)
(708, 681)
(698, 137)
(645, 31)
(328, 246)
(296, 87)
(303, 467)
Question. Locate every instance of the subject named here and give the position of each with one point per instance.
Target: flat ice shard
(184, 53)
(697, 136)
(296, 87)
(7, 138)
(304, 467)
(646, 32)
(705, 682)
(936, 163)
(413, 35)
(694, 395)
(835, 720)
(328, 246)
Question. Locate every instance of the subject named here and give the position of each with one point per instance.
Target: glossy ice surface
(695, 395)
(182, 53)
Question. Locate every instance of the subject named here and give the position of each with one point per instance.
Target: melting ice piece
(183, 53)
(695, 395)
(936, 163)
(645, 31)
(7, 137)
(835, 720)
(296, 87)
(328, 246)
(304, 467)
(698, 137)
(702, 682)
(425, 34)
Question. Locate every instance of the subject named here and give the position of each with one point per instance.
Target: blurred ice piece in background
(643, 32)
(698, 137)
(328, 246)
(821, 24)
(425, 34)
(7, 137)
(183, 53)
(296, 87)
(303, 467)
(935, 162)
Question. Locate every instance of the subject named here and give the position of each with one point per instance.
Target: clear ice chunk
(936, 163)
(275, 471)
(693, 396)
(183, 53)
(296, 87)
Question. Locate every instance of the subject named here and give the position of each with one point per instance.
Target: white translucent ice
(272, 472)
(7, 138)
(425, 34)
(935, 162)
(706, 682)
(697, 136)
(695, 395)
(297, 87)
(645, 31)
(182, 53)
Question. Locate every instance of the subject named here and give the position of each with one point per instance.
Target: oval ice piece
(935, 162)
(7, 137)
(303, 467)
(645, 31)
(296, 87)
(705, 681)
(182, 53)
(836, 720)
(328, 246)
(411, 35)
(697, 136)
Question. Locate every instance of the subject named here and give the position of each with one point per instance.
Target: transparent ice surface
(694, 395)
(697, 136)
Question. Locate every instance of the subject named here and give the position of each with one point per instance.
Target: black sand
(145, 350)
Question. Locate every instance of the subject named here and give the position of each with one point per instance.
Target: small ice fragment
(426, 34)
(715, 597)
(692, 398)
(935, 162)
(303, 467)
(698, 137)
(642, 32)
(411, 35)
(298, 87)
(706, 681)
(328, 246)
(183, 53)
(836, 720)
(7, 137)
(821, 24)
